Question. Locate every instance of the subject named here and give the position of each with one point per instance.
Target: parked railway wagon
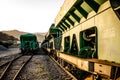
(85, 38)
(28, 43)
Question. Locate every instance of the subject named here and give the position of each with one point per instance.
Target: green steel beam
(71, 22)
(63, 26)
(81, 10)
(66, 23)
(94, 5)
(77, 18)
(79, 2)
(60, 29)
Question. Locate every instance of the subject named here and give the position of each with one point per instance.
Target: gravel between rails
(8, 58)
(14, 68)
(41, 67)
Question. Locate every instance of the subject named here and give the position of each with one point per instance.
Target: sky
(28, 15)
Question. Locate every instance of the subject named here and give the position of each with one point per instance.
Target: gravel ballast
(41, 67)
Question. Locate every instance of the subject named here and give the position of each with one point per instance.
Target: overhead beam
(66, 23)
(81, 10)
(77, 18)
(63, 26)
(60, 29)
(94, 5)
(69, 20)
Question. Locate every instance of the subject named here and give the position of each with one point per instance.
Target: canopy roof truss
(81, 8)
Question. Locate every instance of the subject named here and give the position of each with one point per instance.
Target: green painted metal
(100, 1)
(71, 22)
(81, 10)
(94, 5)
(67, 44)
(74, 45)
(83, 7)
(57, 42)
(28, 37)
(86, 47)
(28, 42)
(52, 26)
(49, 37)
(55, 32)
(66, 23)
(86, 7)
(85, 52)
(77, 18)
(63, 26)
(60, 29)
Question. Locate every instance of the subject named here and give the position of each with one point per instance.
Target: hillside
(6, 37)
(16, 34)
(40, 36)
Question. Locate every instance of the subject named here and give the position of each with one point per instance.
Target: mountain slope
(16, 34)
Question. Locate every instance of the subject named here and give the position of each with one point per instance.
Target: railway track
(72, 77)
(12, 69)
(40, 67)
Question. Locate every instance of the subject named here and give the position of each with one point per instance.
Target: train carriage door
(74, 46)
(67, 44)
(88, 43)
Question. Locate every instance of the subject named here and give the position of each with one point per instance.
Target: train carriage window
(88, 43)
(67, 44)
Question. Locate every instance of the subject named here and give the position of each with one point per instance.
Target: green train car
(28, 43)
(85, 38)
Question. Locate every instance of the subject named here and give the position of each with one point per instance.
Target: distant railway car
(28, 43)
(85, 38)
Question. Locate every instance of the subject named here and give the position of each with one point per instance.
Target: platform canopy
(75, 11)
(53, 32)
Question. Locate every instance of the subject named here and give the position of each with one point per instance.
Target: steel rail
(4, 64)
(23, 65)
(73, 77)
(8, 62)
(5, 70)
(8, 66)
